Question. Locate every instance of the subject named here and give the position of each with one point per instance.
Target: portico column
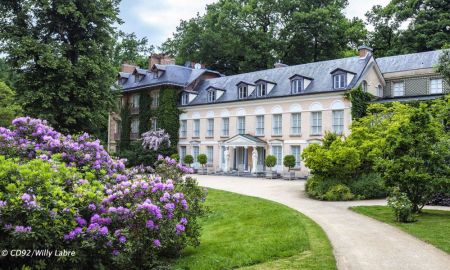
(245, 157)
(227, 158)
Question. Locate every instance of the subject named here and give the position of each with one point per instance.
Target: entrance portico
(243, 152)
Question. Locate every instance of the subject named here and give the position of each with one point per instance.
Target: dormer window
(155, 74)
(296, 85)
(211, 95)
(339, 81)
(184, 99)
(261, 89)
(242, 91)
(138, 77)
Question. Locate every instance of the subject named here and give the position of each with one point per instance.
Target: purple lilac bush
(55, 197)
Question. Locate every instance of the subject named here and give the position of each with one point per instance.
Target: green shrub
(271, 161)
(202, 159)
(316, 186)
(175, 156)
(289, 162)
(188, 159)
(369, 186)
(339, 192)
(401, 206)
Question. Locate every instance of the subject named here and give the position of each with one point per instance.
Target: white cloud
(158, 19)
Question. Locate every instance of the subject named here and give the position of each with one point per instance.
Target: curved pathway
(359, 242)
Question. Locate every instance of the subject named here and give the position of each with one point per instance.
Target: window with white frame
(155, 99)
(196, 128)
(225, 127)
(182, 153)
(135, 101)
(242, 91)
(259, 125)
(316, 123)
(399, 89)
(276, 124)
(154, 123)
(339, 81)
(295, 151)
(210, 127)
(436, 86)
(135, 126)
(261, 89)
(338, 121)
(296, 85)
(183, 128)
(380, 91)
(278, 153)
(241, 125)
(184, 99)
(195, 152)
(364, 86)
(210, 154)
(211, 95)
(296, 124)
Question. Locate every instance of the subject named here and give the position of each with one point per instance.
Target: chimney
(160, 59)
(128, 68)
(363, 51)
(279, 64)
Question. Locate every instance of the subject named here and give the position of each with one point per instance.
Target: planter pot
(201, 170)
(289, 175)
(271, 174)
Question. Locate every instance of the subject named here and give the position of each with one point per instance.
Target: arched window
(380, 91)
(364, 86)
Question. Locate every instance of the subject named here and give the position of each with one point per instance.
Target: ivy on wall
(360, 101)
(125, 128)
(145, 112)
(168, 114)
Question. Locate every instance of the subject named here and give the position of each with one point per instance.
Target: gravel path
(359, 242)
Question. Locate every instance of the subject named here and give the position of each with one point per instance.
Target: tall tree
(407, 26)
(61, 51)
(8, 107)
(237, 36)
(131, 49)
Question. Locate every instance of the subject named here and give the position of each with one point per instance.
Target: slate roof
(318, 71)
(408, 61)
(171, 75)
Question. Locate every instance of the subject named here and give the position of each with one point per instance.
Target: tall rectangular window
(195, 153)
(182, 153)
(259, 125)
(183, 128)
(436, 86)
(184, 99)
(155, 99)
(276, 151)
(211, 95)
(296, 124)
(154, 123)
(276, 124)
(295, 151)
(196, 128)
(339, 81)
(135, 101)
(135, 126)
(225, 127)
(316, 123)
(242, 92)
(261, 89)
(241, 125)
(210, 128)
(399, 89)
(338, 121)
(210, 154)
(296, 86)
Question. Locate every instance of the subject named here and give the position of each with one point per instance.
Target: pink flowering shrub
(32, 138)
(112, 218)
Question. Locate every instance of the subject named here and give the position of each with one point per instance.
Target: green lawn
(249, 232)
(432, 226)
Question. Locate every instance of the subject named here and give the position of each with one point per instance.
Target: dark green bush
(369, 186)
(202, 159)
(289, 161)
(271, 161)
(316, 186)
(188, 159)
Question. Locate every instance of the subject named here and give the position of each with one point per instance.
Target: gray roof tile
(408, 61)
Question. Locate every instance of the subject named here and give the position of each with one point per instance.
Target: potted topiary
(188, 159)
(175, 156)
(289, 162)
(270, 161)
(202, 159)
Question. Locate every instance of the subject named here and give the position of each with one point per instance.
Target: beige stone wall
(267, 107)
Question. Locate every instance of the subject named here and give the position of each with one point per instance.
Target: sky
(158, 19)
